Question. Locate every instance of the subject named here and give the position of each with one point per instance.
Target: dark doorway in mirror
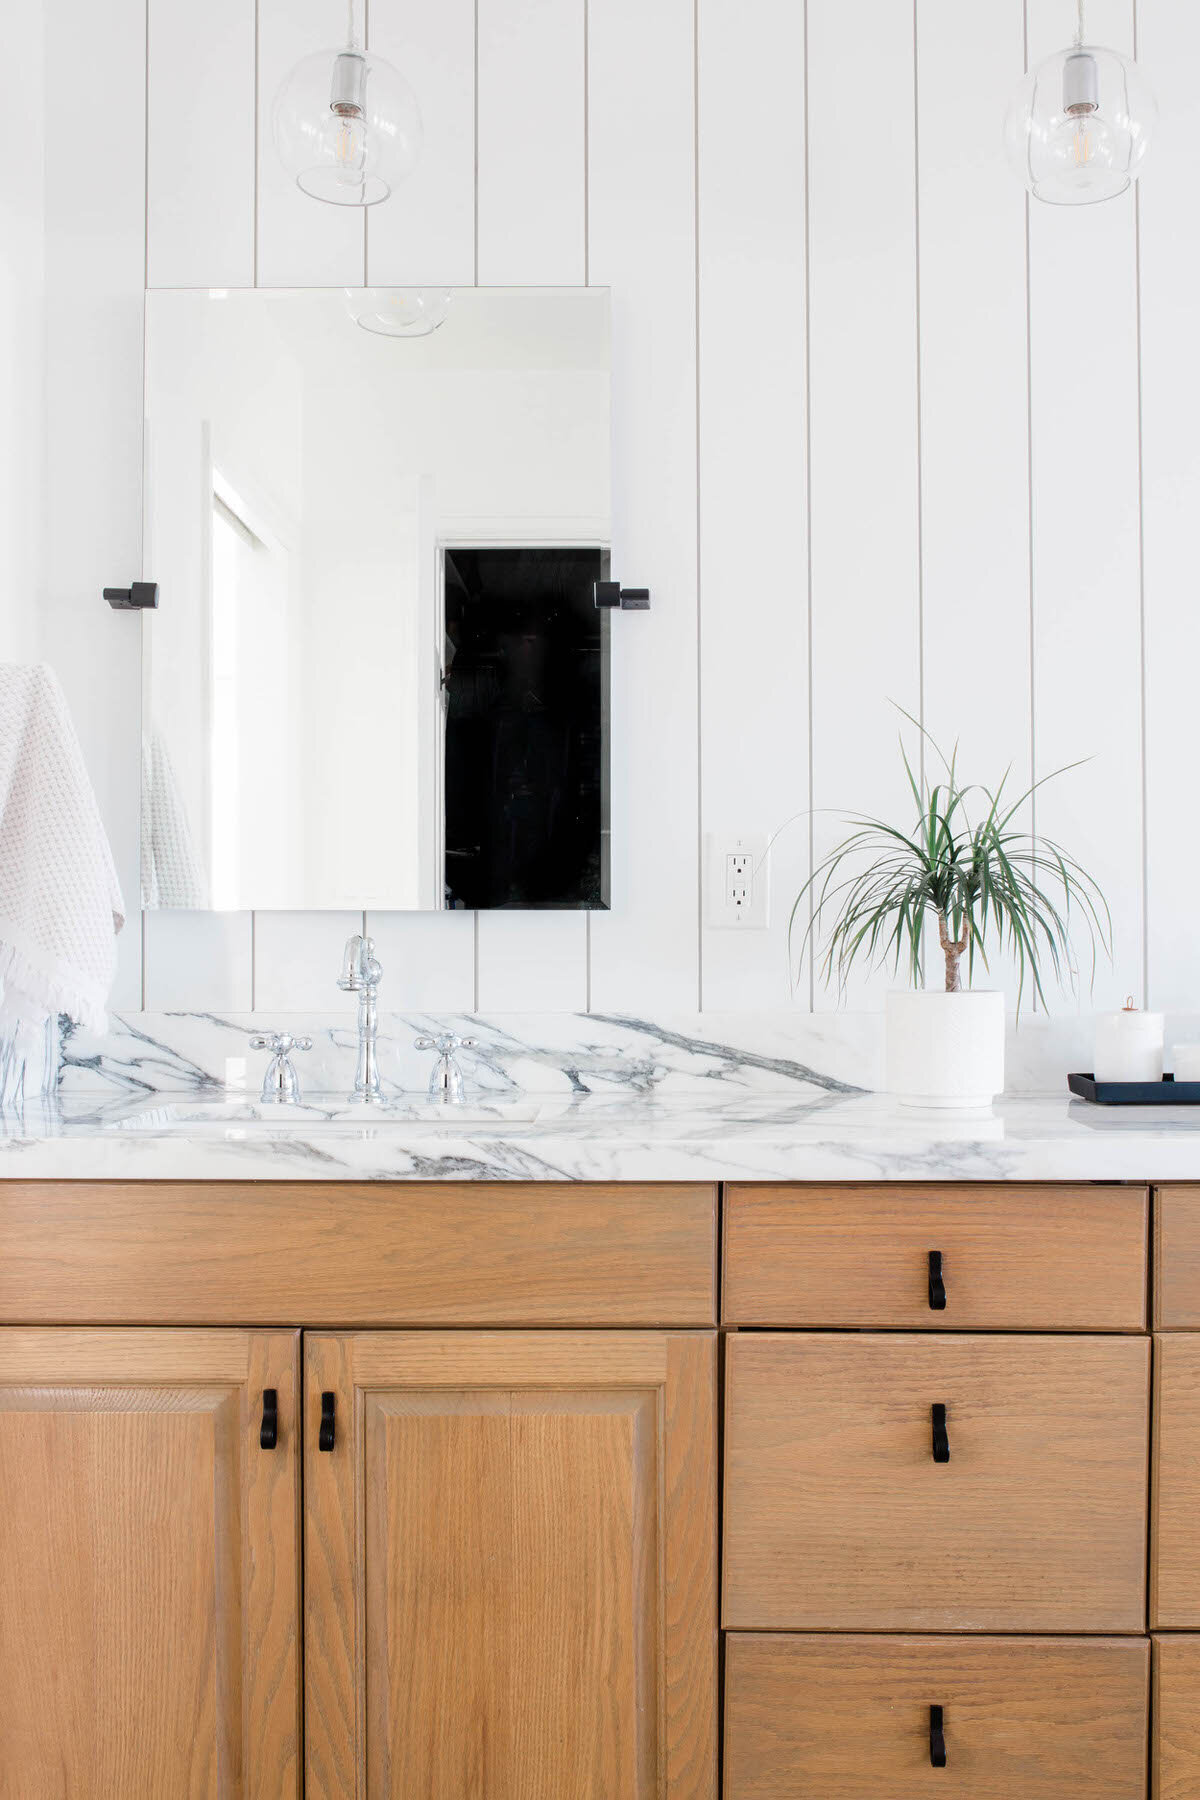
(526, 691)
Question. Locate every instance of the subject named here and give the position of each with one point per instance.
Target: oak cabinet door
(149, 1644)
(510, 1573)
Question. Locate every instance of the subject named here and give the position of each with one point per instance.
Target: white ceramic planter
(945, 1049)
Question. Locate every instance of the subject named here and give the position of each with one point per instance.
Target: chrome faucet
(446, 1082)
(281, 1084)
(361, 975)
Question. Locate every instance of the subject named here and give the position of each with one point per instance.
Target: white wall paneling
(200, 103)
(298, 958)
(532, 207)
(866, 624)
(200, 962)
(1169, 48)
(974, 488)
(425, 232)
(95, 270)
(200, 226)
(22, 332)
(641, 219)
(428, 960)
(301, 242)
(1086, 579)
(975, 633)
(532, 228)
(753, 519)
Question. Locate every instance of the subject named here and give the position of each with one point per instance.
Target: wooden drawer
(847, 1718)
(1177, 1257)
(1175, 1750)
(1016, 1258)
(837, 1515)
(360, 1253)
(1175, 1485)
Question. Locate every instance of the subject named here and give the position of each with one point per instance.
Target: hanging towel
(60, 902)
(171, 870)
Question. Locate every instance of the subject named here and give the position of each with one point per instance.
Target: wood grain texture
(475, 1253)
(837, 1516)
(149, 1638)
(1175, 1483)
(1175, 1742)
(847, 1718)
(1177, 1257)
(1013, 1258)
(510, 1567)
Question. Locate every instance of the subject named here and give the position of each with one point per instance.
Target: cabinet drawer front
(1174, 1540)
(357, 1253)
(1025, 1259)
(838, 1516)
(1177, 1256)
(848, 1718)
(1175, 1753)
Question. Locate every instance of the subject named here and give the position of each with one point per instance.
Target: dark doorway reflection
(526, 729)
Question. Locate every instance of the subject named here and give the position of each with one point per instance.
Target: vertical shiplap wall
(881, 433)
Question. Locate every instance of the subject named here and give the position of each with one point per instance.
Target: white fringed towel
(60, 901)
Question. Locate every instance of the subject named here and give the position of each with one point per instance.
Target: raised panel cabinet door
(510, 1566)
(149, 1644)
(1175, 1752)
(849, 1718)
(892, 1482)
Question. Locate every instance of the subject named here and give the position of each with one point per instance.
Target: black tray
(1167, 1092)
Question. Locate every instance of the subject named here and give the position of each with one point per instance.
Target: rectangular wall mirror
(377, 676)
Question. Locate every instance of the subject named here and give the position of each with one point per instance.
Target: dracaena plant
(963, 869)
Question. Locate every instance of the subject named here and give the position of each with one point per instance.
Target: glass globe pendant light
(399, 312)
(1080, 124)
(346, 124)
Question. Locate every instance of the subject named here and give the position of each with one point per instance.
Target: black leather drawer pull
(268, 1431)
(325, 1438)
(941, 1438)
(937, 1287)
(937, 1739)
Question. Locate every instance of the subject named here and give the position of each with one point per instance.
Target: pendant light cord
(352, 38)
(1079, 35)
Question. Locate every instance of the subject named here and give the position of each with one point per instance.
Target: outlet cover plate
(737, 881)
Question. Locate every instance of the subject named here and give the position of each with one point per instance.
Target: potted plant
(965, 871)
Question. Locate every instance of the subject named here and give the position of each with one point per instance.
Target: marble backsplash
(550, 1053)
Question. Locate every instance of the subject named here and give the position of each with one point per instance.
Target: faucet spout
(361, 974)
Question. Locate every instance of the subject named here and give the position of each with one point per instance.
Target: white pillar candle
(1187, 1062)
(1129, 1045)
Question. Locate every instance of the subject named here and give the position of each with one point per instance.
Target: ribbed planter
(945, 1049)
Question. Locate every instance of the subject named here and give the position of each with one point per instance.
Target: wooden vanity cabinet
(510, 1555)
(149, 1566)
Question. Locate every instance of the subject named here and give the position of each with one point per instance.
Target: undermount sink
(222, 1114)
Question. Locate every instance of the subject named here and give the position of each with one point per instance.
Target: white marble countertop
(762, 1136)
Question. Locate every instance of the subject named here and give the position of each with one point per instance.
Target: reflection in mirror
(377, 677)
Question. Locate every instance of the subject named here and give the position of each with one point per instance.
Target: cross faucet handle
(446, 1082)
(446, 1043)
(279, 1043)
(281, 1084)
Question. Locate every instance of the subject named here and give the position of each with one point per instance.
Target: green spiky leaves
(965, 874)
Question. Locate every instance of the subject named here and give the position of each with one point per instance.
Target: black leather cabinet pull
(268, 1431)
(937, 1286)
(941, 1438)
(325, 1439)
(937, 1739)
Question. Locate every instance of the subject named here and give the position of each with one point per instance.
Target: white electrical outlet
(737, 882)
